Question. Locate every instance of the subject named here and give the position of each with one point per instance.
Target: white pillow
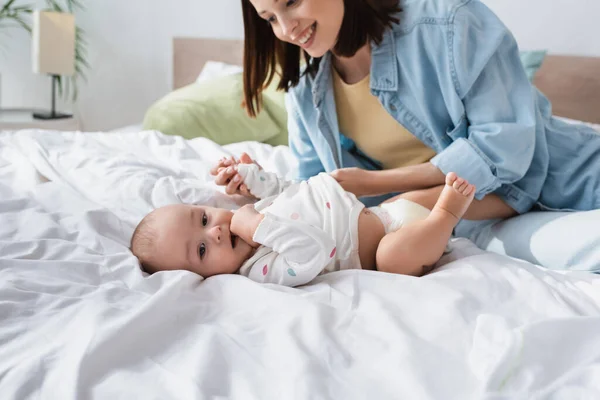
(555, 240)
(215, 69)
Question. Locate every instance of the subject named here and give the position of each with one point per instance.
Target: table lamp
(53, 51)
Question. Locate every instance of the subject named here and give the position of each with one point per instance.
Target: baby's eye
(204, 219)
(271, 20)
(201, 250)
(291, 2)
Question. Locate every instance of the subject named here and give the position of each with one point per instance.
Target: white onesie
(311, 227)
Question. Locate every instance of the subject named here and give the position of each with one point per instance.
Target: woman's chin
(316, 53)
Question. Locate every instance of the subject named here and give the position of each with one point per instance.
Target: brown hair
(364, 20)
(143, 243)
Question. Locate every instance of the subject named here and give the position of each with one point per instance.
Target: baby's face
(198, 239)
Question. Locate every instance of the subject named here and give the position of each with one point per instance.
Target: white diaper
(400, 212)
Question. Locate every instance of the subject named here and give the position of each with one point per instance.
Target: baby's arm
(295, 252)
(261, 184)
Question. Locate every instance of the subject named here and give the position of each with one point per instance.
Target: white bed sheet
(133, 128)
(78, 320)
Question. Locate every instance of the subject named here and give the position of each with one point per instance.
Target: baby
(297, 231)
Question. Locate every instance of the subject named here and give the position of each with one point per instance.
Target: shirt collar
(321, 80)
(384, 65)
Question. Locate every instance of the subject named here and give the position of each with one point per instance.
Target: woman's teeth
(307, 36)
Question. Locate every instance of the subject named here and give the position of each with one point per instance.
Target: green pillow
(274, 105)
(213, 110)
(532, 61)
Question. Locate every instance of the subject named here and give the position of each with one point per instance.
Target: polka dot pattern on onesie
(265, 269)
(291, 272)
(295, 216)
(328, 205)
(333, 252)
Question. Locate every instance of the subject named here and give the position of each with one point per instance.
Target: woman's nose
(288, 27)
(215, 233)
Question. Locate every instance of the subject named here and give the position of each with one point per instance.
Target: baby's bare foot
(456, 196)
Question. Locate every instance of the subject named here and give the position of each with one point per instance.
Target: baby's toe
(458, 183)
(469, 189)
(450, 178)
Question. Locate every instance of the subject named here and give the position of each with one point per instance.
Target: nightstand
(14, 119)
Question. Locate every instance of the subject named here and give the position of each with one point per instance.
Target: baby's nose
(215, 233)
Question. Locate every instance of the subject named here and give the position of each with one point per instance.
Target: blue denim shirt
(450, 73)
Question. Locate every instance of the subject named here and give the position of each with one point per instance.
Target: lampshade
(53, 49)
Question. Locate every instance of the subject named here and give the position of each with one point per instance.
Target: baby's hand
(226, 174)
(244, 223)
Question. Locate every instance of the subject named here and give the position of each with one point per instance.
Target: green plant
(20, 15)
(16, 14)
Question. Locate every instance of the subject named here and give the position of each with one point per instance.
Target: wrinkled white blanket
(78, 320)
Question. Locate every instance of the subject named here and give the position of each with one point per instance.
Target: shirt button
(393, 107)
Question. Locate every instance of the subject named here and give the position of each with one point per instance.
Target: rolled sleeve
(467, 162)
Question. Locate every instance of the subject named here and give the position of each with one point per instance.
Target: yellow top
(376, 133)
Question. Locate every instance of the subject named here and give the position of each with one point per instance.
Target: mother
(409, 91)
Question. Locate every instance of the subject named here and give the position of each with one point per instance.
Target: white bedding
(78, 320)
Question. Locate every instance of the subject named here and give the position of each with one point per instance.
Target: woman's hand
(225, 173)
(354, 180)
(244, 223)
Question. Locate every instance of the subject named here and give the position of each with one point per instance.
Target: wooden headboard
(573, 86)
(571, 83)
(190, 55)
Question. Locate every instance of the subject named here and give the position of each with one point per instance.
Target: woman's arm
(494, 143)
(373, 183)
(497, 144)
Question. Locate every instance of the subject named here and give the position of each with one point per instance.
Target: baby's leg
(490, 207)
(414, 248)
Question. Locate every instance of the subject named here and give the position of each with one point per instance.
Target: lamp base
(51, 115)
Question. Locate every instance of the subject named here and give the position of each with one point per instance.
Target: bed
(79, 320)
